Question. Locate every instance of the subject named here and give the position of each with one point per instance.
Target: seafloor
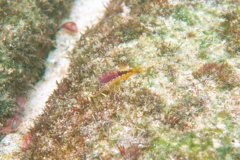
(152, 80)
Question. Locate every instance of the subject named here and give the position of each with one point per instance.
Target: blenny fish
(107, 80)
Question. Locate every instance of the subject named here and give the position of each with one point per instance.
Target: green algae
(173, 110)
(186, 15)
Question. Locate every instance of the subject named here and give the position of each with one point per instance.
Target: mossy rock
(27, 34)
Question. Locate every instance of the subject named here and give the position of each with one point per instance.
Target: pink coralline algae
(11, 124)
(70, 27)
(27, 139)
(20, 101)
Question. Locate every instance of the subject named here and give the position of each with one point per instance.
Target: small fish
(107, 80)
(110, 76)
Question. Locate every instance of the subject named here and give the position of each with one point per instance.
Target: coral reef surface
(184, 105)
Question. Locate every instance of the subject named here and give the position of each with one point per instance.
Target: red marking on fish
(110, 76)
